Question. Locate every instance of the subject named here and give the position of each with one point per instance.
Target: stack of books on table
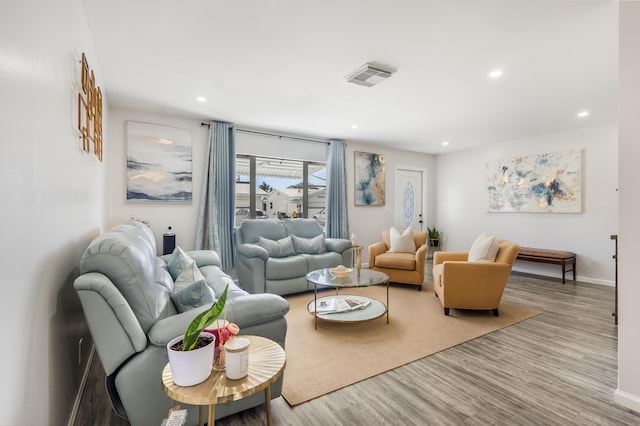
(336, 305)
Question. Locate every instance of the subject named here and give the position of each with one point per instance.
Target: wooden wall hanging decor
(90, 110)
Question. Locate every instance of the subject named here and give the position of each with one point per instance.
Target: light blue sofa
(125, 291)
(273, 255)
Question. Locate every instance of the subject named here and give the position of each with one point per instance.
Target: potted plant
(191, 355)
(434, 236)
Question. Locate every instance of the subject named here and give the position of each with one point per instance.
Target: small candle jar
(237, 358)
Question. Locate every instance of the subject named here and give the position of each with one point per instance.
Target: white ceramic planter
(191, 367)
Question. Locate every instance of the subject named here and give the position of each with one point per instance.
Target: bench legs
(571, 262)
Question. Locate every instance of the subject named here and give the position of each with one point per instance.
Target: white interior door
(408, 196)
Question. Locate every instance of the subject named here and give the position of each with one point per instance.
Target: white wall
(366, 221)
(180, 216)
(369, 221)
(462, 203)
(53, 205)
(628, 392)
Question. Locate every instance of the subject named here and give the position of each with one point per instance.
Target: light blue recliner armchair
(125, 290)
(273, 255)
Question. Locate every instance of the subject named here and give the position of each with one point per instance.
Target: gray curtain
(337, 222)
(216, 218)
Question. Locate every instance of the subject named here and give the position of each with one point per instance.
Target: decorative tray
(340, 271)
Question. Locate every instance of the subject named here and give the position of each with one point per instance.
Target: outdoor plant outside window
(279, 188)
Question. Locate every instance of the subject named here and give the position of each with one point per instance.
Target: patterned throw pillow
(313, 245)
(191, 289)
(178, 261)
(281, 248)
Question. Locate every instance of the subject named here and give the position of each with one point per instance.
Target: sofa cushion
(163, 277)
(324, 260)
(286, 267)
(193, 295)
(483, 249)
(126, 255)
(281, 248)
(313, 245)
(251, 230)
(191, 289)
(396, 261)
(305, 228)
(178, 261)
(402, 242)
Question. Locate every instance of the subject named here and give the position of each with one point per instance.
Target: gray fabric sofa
(125, 290)
(273, 255)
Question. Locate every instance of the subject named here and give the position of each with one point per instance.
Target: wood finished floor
(557, 368)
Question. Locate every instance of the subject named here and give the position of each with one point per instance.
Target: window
(268, 187)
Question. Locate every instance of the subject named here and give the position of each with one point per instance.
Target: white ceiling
(280, 65)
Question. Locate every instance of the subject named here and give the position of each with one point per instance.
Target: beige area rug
(338, 355)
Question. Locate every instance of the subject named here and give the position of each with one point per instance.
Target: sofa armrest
(442, 256)
(337, 245)
(253, 250)
(205, 258)
(166, 329)
(376, 249)
(421, 255)
(474, 284)
(252, 309)
(115, 330)
(484, 275)
(244, 310)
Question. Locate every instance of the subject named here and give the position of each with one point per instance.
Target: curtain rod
(275, 135)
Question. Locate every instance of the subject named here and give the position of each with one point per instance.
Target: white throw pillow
(484, 249)
(402, 242)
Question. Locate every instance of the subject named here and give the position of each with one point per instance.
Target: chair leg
(420, 288)
(446, 311)
(496, 313)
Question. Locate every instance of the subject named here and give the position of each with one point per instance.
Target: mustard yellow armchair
(472, 285)
(407, 268)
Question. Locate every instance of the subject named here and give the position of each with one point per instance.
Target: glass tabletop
(367, 277)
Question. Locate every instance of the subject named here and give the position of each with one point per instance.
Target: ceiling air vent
(369, 75)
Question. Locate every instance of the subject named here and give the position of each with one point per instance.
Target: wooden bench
(554, 257)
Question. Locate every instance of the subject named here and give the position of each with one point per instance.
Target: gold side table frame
(266, 364)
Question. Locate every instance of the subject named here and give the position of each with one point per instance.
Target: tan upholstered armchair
(472, 285)
(407, 268)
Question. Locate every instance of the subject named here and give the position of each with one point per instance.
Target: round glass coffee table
(344, 307)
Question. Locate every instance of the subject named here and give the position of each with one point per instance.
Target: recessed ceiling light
(583, 114)
(495, 73)
(201, 99)
(445, 143)
(354, 127)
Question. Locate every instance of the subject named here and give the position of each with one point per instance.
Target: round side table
(266, 364)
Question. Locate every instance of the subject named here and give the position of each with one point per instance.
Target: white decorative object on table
(340, 271)
(237, 358)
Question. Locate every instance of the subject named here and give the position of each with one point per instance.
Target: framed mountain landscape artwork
(159, 163)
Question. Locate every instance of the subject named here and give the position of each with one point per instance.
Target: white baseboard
(627, 400)
(83, 382)
(568, 277)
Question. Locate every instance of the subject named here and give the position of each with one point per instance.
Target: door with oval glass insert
(408, 199)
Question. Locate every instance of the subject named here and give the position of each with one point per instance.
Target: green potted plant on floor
(191, 355)
(434, 236)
